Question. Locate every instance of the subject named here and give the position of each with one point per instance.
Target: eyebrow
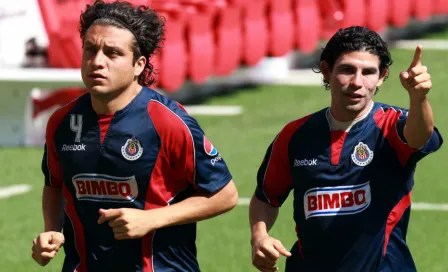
(369, 68)
(91, 44)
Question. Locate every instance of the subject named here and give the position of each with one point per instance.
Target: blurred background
(243, 70)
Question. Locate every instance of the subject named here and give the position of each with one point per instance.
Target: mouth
(353, 95)
(97, 76)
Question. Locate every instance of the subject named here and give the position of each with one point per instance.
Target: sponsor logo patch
(333, 201)
(97, 187)
(209, 148)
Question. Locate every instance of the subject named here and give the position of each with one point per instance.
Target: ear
(139, 66)
(325, 70)
(382, 77)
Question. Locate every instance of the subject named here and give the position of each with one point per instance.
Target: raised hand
(416, 80)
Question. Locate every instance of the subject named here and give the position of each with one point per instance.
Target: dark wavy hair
(144, 23)
(355, 38)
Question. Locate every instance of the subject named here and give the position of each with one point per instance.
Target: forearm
(196, 208)
(53, 208)
(420, 123)
(262, 217)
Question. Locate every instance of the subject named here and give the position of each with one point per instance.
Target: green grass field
(223, 242)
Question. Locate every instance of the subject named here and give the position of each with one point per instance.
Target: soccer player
(350, 166)
(127, 171)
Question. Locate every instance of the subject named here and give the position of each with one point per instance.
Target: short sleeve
(51, 166)
(392, 122)
(433, 144)
(189, 151)
(274, 179)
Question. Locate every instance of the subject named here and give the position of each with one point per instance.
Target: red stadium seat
(399, 12)
(308, 25)
(173, 56)
(228, 38)
(354, 12)
(61, 23)
(332, 17)
(440, 7)
(377, 15)
(255, 32)
(281, 22)
(197, 33)
(200, 39)
(421, 10)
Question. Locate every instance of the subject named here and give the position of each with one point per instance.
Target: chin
(356, 107)
(99, 90)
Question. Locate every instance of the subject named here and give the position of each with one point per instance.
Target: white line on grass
(426, 44)
(6, 192)
(418, 206)
(214, 110)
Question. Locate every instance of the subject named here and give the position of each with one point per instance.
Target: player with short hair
(127, 171)
(350, 166)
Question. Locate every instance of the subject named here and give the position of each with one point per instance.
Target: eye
(113, 53)
(89, 49)
(346, 70)
(369, 72)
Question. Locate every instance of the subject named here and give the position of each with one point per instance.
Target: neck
(346, 115)
(111, 103)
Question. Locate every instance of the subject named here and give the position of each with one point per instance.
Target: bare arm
(138, 223)
(262, 217)
(198, 207)
(420, 123)
(53, 208)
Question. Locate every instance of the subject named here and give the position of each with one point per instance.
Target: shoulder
(385, 113)
(169, 115)
(297, 124)
(61, 113)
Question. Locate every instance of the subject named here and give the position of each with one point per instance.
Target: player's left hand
(416, 80)
(127, 223)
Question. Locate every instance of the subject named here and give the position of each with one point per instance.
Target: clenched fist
(46, 246)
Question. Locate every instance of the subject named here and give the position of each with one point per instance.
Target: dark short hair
(356, 38)
(142, 21)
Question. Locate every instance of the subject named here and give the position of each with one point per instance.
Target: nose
(98, 60)
(357, 80)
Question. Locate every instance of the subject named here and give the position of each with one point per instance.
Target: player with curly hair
(128, 172)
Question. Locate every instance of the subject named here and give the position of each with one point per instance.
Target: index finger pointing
(107, 215)
(417, 57)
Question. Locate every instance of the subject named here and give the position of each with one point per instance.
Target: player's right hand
(46, 246)
(266, 251)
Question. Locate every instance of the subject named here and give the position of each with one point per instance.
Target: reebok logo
(74, 147)
(305, 162)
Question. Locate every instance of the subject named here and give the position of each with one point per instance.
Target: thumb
(103, 214)
(404, 75)
(281, 249)
(109, 214)
(57, 239)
